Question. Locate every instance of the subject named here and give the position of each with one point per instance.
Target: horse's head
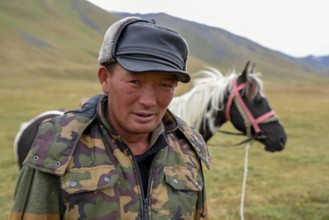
(250, 112)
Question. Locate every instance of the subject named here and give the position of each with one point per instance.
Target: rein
(233, 133)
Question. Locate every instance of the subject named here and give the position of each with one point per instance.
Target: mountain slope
(61, 38)
(51, 37)
(321, 62)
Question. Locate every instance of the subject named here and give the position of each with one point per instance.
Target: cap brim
(137, 65)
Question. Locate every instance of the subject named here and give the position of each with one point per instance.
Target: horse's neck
(204, 106)
(211, 124)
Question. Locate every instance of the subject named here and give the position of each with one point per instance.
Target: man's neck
(138, 144)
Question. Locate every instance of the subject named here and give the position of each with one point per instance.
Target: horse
(236, 97)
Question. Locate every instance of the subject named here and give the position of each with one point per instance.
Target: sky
(295, 27)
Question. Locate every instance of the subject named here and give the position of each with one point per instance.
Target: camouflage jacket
(74, 171)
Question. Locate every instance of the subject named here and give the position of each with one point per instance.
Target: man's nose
(147, 96)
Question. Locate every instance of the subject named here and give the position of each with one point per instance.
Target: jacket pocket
(86, 179)
(179, 195)
(184, 178)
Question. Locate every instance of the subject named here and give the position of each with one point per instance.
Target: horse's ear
(253, 68)
(244, 75)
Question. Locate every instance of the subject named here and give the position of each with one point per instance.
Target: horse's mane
(209, 87)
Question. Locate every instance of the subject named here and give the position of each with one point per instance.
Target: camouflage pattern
(79, 168)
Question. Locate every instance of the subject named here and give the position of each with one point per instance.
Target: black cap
(142, 46)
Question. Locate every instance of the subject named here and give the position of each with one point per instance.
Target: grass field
(288, 185)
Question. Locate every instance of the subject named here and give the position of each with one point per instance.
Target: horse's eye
(258, 99)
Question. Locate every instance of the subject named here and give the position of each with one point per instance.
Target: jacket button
(175, 181)
(74, 184)
(58, 163)
(36, 157)
(107, 179)
(196, 183)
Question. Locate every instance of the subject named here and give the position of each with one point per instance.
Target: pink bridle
(244, 111)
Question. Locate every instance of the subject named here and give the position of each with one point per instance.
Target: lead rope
(244, 181)
(245, 172)
(246, 156)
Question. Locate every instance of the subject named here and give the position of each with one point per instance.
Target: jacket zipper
(145, 215)
(151, 174)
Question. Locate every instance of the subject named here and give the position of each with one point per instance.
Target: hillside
(59, 38)
(62, 39)
(321, 63)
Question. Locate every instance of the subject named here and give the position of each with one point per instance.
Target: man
(123, 155)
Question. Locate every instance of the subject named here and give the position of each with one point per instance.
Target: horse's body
(209, 104)
(27, 132)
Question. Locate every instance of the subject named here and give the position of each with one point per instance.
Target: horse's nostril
(282, 143)
(283, 140)
(277, 146)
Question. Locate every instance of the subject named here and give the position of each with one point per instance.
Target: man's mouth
(144, 116)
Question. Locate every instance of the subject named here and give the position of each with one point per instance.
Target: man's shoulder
(196, 141)
(56, 139)
(89, 108)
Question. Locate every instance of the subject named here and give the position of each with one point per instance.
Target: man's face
(138, 101)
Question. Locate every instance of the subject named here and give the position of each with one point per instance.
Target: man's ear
(103, 77)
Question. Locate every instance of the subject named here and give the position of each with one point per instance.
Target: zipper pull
(146, 208)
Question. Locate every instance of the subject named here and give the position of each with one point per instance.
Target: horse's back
(27, 132)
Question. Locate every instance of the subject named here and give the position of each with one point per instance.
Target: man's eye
(137, 82)
(166, 85)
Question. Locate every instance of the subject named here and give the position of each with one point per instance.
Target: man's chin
(142, 128)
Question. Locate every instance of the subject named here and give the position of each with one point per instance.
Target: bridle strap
(244, 111)
(231, 97)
